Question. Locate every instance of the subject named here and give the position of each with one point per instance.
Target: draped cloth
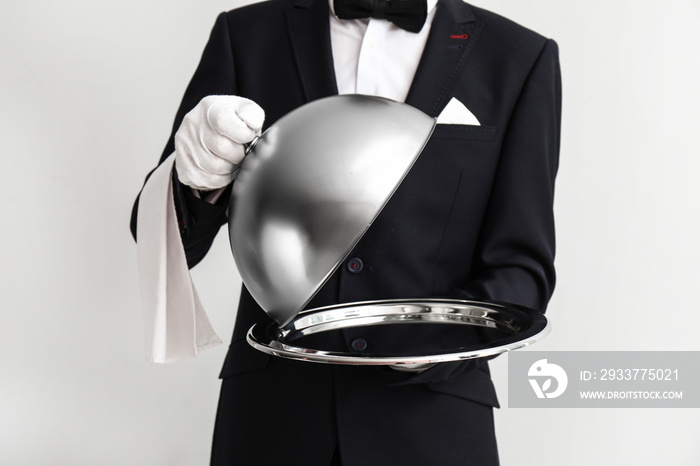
(175, 323)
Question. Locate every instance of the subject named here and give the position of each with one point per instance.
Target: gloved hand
(419, 367)
(210, 141)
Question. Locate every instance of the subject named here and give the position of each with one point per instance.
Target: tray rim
(260, 339)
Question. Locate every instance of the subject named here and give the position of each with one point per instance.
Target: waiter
(472, 220)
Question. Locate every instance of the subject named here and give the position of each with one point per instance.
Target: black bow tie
(406, 14)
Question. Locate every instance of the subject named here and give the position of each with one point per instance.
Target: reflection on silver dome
(310, 188)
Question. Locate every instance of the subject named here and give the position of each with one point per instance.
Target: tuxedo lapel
(453, 34)
(309, 34)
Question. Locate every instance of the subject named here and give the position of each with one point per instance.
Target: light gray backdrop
(88, 90)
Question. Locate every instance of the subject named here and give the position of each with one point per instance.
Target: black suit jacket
(473, 219)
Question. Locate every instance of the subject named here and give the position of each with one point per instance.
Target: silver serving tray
(472, 329)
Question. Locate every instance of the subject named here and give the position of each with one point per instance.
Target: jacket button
(354, 265)
(359, 344)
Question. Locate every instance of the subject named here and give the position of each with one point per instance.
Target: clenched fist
(210, 141)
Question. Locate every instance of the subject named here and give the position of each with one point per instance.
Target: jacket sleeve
(198, 220)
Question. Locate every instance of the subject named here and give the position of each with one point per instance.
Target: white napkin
(176, 325)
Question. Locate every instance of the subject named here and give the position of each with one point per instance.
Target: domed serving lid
(310, 188)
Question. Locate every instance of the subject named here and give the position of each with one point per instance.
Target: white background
(88, 91)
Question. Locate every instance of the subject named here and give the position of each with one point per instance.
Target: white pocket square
(455, 113)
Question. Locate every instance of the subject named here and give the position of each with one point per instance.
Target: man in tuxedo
(472, 220)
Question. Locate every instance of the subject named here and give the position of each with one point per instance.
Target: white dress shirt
(375, 57)
(370, 56)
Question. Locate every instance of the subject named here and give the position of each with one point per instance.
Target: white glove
(418, 367)
(210, 141)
